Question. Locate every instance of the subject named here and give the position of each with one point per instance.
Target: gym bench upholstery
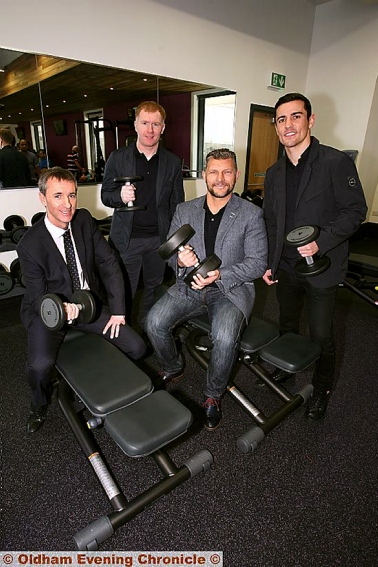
(100, 381)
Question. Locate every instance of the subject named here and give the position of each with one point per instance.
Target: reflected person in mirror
(14, 167)
(137, 235)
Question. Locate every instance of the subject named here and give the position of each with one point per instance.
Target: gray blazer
(241, 244)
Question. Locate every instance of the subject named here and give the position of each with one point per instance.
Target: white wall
(341, 83)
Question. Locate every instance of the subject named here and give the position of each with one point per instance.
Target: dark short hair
(222, 153)
(6, 135)
(289, 97)
(58, 173)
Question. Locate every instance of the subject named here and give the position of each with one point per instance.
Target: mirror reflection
(59, 104)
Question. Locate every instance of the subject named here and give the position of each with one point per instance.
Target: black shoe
(165, 378)
(317, 405)
(281, 376)
(212, 414)
(37, 418)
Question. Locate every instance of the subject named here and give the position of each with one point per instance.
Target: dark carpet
(306, 497)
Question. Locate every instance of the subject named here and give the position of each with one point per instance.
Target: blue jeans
(227, 323)
(292, 292)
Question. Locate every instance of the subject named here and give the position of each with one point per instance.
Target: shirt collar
(54, 230)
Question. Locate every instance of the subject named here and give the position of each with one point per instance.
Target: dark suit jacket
(330, 196)
(45, 270)
(169, 192)
(14, 168)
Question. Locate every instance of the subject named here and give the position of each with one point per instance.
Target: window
(216, 123)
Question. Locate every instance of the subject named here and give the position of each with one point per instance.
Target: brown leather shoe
(165, 378)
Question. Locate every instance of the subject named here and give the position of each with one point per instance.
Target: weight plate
(6, 283)
(128, 179)
(179, 238)
(319, 266)
(52, 312)
(131, 209)
(35, 218)
(87, 303)
(17, 233)
(302, 235)
(210, 263)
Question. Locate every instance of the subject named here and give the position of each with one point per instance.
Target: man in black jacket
(14, 167)
(45, 269)
(138, 235)
(311, 185)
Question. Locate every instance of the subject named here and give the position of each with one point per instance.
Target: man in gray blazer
(234, 230)
(137, 235)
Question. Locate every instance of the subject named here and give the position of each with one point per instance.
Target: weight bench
(260, 341)
(361, 266)
(100, 380)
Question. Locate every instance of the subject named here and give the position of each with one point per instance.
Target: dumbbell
(176, 243)
(15, 225)
(15, 270)
(54, 316)
(6, 280)
(310, 265)
(129, 180)
(35, 218)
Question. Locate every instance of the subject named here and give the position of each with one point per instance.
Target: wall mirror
(57, 103)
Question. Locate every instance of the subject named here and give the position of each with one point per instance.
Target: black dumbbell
(15, 270)
(37, 216)
(15, 225)
(6, 280)
(129, 180)
(176, 243)
(53, 314)
(310, 265)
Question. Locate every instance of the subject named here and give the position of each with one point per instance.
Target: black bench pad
(363, 264)
(148, 424)
(256, 334)
(100, 374)
(300, 351)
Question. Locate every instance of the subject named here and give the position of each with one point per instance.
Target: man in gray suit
(137, 235)
(234, 230)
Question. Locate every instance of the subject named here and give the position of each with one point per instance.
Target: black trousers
(43, 347)
(295, 291)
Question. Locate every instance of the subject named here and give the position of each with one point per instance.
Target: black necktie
(71, 260)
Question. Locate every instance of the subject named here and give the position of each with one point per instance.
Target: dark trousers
(295, 291)
(142, 254)
(43, 347)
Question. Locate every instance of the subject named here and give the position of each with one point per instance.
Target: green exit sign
(278, 81)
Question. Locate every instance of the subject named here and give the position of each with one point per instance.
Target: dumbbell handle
(309, 260)
(129, 203)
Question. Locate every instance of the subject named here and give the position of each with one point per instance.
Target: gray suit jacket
(241, 244)
(169, 192)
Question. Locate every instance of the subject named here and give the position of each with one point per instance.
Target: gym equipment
(6, 280)
(15, 270)
(15, 225)
(253, 196)
(176, 243)
(362, 275)
(260, 341)
(311, 265)
(120, 397)
(35, 218)
(54, 316)
(129, 180)
(104, 225)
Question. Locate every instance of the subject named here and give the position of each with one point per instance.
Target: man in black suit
(14, 167)
(311, 184)
(137, 235)
(43, 263)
